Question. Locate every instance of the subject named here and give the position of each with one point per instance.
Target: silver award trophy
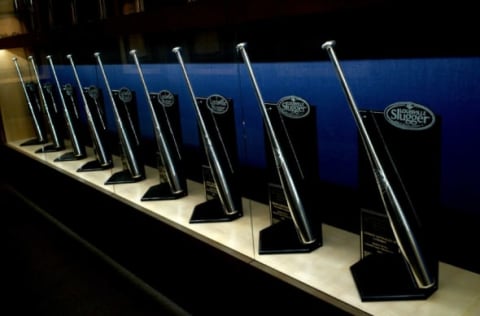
(128, 135)
(228, 205)
(167, 145)
(413, 276)
(51, 113)
(219, 118)
(291, 180)
(96, 125)
(71, 120)
(34, 107)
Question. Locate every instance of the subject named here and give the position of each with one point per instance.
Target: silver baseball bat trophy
(35, 110)
(171, 158)
(128, 136)
(79, 150)
(401, 213)
(224, 177)
(96, 127)
(290, 179)
(51, 113)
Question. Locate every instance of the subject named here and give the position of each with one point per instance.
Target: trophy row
(406, 271)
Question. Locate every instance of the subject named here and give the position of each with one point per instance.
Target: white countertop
(324, 272)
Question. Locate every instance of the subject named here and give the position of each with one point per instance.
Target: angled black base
(94, 165)
(212, 211)
(385, 277)
(70, 156)
(282, 237)
(161, 191)
(32, 142)
(49, 149)
(123, 176)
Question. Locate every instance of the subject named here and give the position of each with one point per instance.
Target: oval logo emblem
(293, 107)
(48, 87)
(409, 116)
(125, 95)
(93, 92)
(217, 104)
(68, 89)
(166, 98)
(30, 86)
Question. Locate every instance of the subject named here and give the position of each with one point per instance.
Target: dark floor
(46, 271)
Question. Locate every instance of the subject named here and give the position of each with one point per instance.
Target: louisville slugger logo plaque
(409, 116)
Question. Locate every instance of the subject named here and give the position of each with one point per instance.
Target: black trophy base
(386, 277)
(70, 156)
(49, 149)
(282, 237)
(94, 165)
(212, 211)
(161, 191)
(123, 176)
(32, 142)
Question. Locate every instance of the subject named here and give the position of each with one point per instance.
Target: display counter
(323, 273)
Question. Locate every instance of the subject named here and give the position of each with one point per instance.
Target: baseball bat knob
(241, 46)
(328, 44)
